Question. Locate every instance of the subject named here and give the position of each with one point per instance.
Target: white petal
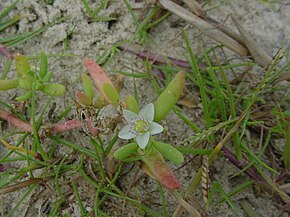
(147, 112)
(129, 116)
(126, 133)
(155, 128)
(143, 139)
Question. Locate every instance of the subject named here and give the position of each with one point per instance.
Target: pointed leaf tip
(98, 76)
(167, 99)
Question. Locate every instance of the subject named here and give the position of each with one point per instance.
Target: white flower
(140, 126)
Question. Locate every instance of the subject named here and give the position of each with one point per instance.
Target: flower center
(140, 126)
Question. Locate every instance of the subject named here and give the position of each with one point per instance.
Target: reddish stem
(66, 126)
(241, 164)
(6, 52)
(55, 128)
(14, 121)
(158, 58)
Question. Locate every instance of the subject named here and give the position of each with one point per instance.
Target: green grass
(229, 114)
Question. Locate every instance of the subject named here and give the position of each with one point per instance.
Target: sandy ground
(269, 25)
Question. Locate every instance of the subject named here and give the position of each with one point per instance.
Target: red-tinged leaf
(94, 131)
(155, 166)
(83, 98)
(98, 76)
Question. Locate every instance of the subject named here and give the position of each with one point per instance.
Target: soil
(267, 23)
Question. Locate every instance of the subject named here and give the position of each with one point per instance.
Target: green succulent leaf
(125, 151)
(169, 97)
(53, 89)
(8, 84)
(111, 93)
(132, 104)
(88, 86)
(47, 77)
(25, 82)
(25, 96)
(169, 152)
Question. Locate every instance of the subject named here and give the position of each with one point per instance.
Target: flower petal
(143, 139)
(155, 128)
(129, 116)
(147, 112)
(126, 133)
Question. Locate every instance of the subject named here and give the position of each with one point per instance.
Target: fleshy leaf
(25, 82)
(112, 94)
(83, 98)
(132, 104)
(88, 86)
(53, 89)
(169, 97)
(155, 166)
(100, 102)
(125, 151)
(8, 84)
(169, 152)
(25, 96)
(98, 76)
(22, 64)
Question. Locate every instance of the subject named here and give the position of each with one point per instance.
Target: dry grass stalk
(207, 28)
